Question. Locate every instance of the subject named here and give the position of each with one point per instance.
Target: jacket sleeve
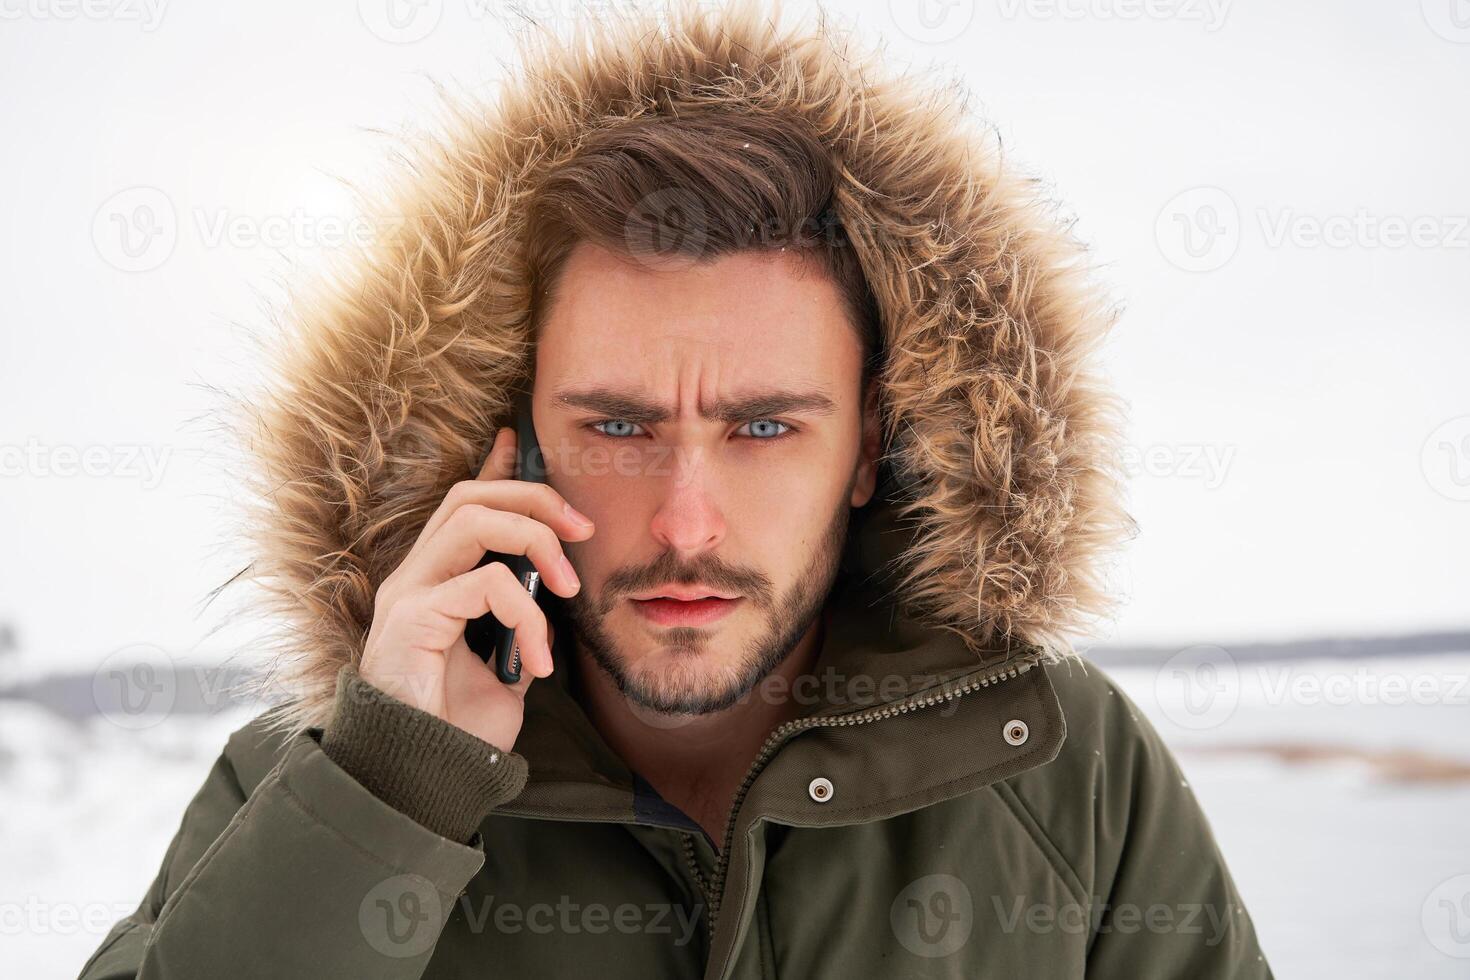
(307, 873)
(1164, 902)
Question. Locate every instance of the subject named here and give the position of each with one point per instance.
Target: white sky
(1285, 397)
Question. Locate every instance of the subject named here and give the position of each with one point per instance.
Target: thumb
(500, 462)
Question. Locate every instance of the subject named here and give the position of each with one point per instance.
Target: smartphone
(492, 641)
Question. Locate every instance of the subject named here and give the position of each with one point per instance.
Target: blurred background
(1275, 190)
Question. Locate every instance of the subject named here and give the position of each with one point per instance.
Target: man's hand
(416, 649)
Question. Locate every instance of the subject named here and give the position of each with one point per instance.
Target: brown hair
(698, 186)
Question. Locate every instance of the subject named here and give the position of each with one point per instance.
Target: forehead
(749, 316)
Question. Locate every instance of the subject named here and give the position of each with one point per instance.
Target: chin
(679, 678)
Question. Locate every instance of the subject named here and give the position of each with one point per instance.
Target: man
(829, 485)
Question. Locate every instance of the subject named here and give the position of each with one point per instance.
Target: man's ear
(866, 480)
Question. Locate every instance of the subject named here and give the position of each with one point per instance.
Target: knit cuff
(440, 775)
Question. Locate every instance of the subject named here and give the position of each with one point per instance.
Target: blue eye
(619, 435)
(768, 436)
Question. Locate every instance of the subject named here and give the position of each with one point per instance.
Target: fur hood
(391, 375)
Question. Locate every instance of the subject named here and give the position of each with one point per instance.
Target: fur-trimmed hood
(391, 376)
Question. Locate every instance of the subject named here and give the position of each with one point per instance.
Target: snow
(89, 810)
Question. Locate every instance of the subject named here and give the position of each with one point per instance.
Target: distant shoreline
(1310, 648)
(200, 689)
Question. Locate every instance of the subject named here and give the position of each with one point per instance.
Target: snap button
(1016, 732)
(820, 789)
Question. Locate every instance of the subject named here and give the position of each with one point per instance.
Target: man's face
(709, 419)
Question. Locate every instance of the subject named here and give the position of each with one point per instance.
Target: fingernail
(570, 572)
(576, 516)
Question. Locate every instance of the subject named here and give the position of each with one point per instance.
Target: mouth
(701, 611)
(684, 593)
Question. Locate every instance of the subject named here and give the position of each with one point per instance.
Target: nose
(689, 520)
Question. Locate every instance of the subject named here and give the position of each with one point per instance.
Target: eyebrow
(631, 407)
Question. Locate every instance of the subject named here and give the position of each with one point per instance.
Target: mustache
(667, 569)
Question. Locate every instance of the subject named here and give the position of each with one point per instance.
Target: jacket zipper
(716, 883)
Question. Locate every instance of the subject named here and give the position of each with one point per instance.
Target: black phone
(486, 635)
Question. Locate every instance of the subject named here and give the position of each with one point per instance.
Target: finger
(495, 589)
(500, 462)
(535, 500)
(466, 676)
(472, 530)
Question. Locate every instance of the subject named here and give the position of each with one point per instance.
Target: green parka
(960, 795)
(1020, 819)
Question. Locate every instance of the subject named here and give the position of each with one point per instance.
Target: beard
(679, 681)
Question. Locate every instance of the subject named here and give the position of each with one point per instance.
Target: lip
(677, 612)
(684, 593)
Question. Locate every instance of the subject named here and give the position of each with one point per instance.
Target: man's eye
(615, 422)
(766, 435)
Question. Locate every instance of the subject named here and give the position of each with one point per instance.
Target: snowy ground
(87, 815)
(1353, 863)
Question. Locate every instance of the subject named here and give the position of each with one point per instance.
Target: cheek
(621, 532)
(600, 466)
(779, 522)
(801, 482)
